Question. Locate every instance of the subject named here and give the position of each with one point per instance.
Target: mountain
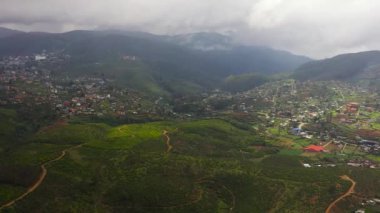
(5, 32)
(164, 65)
(240, 58)
(347, 67)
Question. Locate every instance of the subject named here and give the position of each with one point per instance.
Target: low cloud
(317, 28)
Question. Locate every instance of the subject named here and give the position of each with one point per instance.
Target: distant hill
(5, 32)
(167, 64)
(348, 67)
(243, 82)
(240, 58)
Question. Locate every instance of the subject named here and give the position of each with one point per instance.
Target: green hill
(206, 166)
(354, 66)
(243, 82)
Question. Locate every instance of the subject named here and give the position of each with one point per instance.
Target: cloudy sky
(317, 28)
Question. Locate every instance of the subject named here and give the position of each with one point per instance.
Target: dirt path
(350, 191)
(301, 125)
(168, 144)
(344, 147)
(327, 144)
(39, 180)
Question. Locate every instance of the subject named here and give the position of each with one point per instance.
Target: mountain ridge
(347, 67)
(166, 62)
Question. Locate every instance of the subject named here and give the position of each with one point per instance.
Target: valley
(113, 133)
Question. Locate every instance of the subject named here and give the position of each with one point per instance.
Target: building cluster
(363, 163)
(315, 111)
(95, 97)
(28, 80)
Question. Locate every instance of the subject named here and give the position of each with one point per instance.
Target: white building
(39, 57)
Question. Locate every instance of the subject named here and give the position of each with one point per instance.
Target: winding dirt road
(350, 191)
(39, 180)
(168, 144)
(301, 125)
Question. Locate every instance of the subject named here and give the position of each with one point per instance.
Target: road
(350, 191)
(39, 180)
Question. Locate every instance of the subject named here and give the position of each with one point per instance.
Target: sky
(315, 28)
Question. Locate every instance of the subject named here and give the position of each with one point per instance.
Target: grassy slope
(244, 82)
(127, 167)
(8, 124)
(137, 75)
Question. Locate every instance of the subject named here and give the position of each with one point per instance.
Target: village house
(314, 148)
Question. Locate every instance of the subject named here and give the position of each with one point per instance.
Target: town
(334, 118)
(325, 117)
(28, 80)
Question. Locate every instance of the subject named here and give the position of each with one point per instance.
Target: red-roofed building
(352, 107)
(314, 148)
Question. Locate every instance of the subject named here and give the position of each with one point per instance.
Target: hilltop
(5, 32)
(347, 67)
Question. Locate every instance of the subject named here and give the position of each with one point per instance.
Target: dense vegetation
(213, 165)
(243, 82)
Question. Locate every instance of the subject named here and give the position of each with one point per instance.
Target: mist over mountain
(211, 46)
(202, 60)
(185, 62)
(203, 41)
